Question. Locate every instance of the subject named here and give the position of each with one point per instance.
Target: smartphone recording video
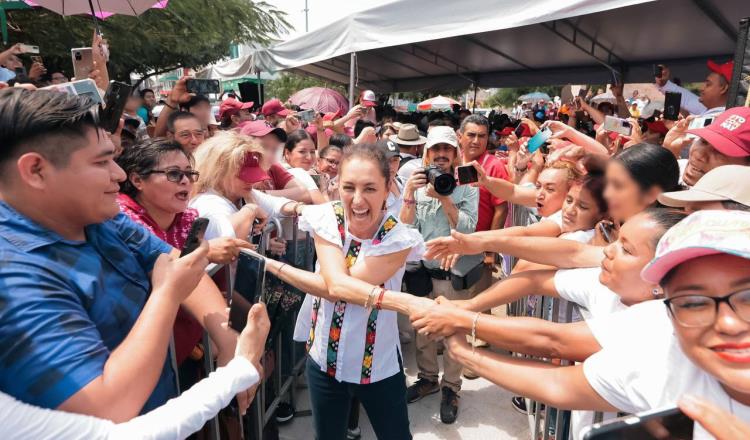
(670, 424)
(538, 140)
(203, 86)
(467, 174)
(672, 102)
(114, 105)
(618, 125)
(195, 236)
(248, 287)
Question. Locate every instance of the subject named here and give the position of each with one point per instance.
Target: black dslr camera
(444, 183)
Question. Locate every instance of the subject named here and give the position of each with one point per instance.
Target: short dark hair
(340, 140)
(195, 100)
(369, 152)
(360, 125)
(52, 124)
(734, 206)
(143, 92)
(650, 165)
(176, 116)
(143, 158)
(294, 138)
(324, 152)
(476, 120)
(664, 217)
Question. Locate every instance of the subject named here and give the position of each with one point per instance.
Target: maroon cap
(261, 128)
(729, 132)
(251, 172)
(274, 107)
(231, 106)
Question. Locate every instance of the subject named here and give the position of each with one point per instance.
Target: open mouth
(360, 214)
(182, 196)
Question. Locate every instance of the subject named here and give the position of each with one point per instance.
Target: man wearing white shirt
(713, 97)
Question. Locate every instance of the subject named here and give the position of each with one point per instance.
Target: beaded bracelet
(380, 299)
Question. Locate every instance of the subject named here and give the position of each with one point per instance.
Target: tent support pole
(260, 91)
(474, 103)
(352, 62)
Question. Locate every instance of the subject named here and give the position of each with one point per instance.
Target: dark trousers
(384, 401)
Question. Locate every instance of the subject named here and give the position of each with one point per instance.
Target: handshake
(443, 318)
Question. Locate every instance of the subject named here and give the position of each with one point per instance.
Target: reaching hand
(533, 128)
(251, 345)
(718, 422)
(224, 250)
(292, 123)
(178, 277)
(179, 93)
(277, 246)
(512, 142)
(440, 319)
(367, 136)
(37, 71)
(457, 243)
(677, 136)
(481, 174)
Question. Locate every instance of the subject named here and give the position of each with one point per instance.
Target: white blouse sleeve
(271, 204)
(321, 220)
(397, 239)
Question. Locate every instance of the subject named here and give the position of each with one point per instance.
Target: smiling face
(551, 188)
(442, 155)
(580, 210)
(302, 156)
(189, 133)
(157, 192)
(330, 163)
(625, 258)
(703, 158)
(363, 191)
(723, 348)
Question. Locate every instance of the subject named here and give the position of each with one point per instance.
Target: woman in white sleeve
(230, 164)
(353, 342)
(176, 419)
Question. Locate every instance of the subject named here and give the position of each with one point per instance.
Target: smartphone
(582, 93)
(618, 125)
(195, 236)
(83, 62)
(203, 86)
(84, 87)
(672, 102)
(36, 59)
(467, 174)
(114, 104)
(701, 122)
(29, 48)
(519, 130)
(658, 70)
(306, 115)
(651, 425)
(606, 230)
(248, 287)
(538, 140)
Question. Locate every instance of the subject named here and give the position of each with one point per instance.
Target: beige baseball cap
(728, 182)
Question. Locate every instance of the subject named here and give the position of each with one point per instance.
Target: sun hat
(408, 134)
(728, 182)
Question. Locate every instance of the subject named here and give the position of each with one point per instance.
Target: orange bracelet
(379, 302)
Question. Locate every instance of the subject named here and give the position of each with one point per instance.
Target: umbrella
(105, 8)
(534, 97)
(437, 103)
(321, 100)
(604, 97)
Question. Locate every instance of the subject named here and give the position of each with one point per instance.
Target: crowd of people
(646, 236)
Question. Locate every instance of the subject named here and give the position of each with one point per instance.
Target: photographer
(435, 211)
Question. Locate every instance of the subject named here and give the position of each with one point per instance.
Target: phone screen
(538, 140)
(467, 174)
(114, 104)
(306, 115)
(519, 130)
(203, 86)
(197, 231)
(672, 103)
(248, 288)
(667, 424)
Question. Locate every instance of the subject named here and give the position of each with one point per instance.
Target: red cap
(657, 127)
(274, 107)
(231, 106)
(261, 128)
(251, 172)
(368, 99)
(505, 131)
(729, 132)
(724, 70)
(332, 116)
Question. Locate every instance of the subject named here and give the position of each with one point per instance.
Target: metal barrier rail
(260, 412)
(543, 420)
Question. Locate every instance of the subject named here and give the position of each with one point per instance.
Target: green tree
(506, 97)
(187, 33)
(289, 83)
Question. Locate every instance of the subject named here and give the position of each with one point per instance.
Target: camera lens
(443, 182)
(78, 56)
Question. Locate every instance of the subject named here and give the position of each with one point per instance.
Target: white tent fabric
(422, 44)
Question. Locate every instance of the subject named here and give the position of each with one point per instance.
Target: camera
(444, 183)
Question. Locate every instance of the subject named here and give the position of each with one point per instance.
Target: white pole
(352, 62)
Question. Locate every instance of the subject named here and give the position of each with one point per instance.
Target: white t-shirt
(304, 177)
(582, 287)
(650, 371)
(579, 236)
(217, 209)
(350, 356)
(556, 217)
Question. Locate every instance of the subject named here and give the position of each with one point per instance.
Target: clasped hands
(442, 319)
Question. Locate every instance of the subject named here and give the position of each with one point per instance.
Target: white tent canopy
(422, 44)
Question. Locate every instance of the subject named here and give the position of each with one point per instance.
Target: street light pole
(306, 11)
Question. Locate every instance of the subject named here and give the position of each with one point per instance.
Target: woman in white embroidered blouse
(353, 341)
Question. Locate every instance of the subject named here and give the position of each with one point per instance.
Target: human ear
(34, 169)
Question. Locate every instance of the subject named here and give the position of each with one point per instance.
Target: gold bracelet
(368, 301)
(474, 332)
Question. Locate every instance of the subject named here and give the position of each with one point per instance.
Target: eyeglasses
(199, 134)
(701, 311)
(331, 162)
(177, 175)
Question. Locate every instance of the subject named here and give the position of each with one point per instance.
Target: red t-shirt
(187, 331)
(279, 176)
(493, 167)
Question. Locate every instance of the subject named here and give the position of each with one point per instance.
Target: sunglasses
(177, 175)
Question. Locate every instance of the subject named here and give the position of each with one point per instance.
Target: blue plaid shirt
(65, 305)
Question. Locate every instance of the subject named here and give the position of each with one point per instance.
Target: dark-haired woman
(351, 328)
(155, 194)
(300, 157)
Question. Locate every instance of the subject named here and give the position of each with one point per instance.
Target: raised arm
(502, 189)
(560, 387)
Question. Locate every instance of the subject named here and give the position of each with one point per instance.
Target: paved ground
(485, 413)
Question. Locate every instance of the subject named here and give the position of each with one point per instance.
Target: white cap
(728, 182)
(441, 135)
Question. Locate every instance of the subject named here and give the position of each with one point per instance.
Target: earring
(656, 291)
(384, 206)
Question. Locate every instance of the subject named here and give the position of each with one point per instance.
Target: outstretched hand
(456, 243)
(439, 320)
(718, 422)
(178, 277)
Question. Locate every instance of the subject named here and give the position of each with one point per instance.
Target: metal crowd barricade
(544, 422)
(261, 411)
